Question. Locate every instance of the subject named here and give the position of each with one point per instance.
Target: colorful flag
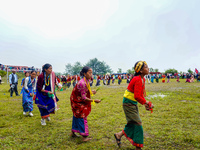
(196, 70)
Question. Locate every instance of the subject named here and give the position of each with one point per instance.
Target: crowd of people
(189, 77)
(41, 88)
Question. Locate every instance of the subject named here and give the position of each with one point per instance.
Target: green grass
(174, 124)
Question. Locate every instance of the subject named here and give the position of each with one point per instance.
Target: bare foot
(85, 139)
(138, 148)
(72, 134)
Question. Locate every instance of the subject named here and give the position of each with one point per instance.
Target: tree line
(98, 67)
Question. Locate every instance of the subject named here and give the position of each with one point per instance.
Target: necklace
(48, 80)
(88, 86)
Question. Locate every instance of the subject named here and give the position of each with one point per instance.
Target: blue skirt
(27, 102)
(80, 125)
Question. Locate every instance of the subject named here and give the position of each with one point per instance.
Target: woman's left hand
(94, 91)
(59, 87)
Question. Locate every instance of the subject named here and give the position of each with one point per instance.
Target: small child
(27, 98)
(135, 93)
(22, 83)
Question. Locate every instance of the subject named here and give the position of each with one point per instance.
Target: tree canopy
(172, 71)
(98, 67)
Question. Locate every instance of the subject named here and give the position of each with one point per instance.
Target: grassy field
(174, 124)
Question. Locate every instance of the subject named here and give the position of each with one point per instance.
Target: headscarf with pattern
(139, 66)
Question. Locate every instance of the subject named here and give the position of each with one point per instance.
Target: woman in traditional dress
(98, 80)
(188, 77)
(28, 92)
(69, 81)
(168, 78)
(152, 78)
(135, 93)
(178, 78)
(157, 78)
(113, 79)
(108, 78)
(119, 79)
(46, 99)
(81, 104)
(163, 78)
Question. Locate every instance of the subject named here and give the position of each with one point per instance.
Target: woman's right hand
(50, 92)
(147, 106)
(97, 101)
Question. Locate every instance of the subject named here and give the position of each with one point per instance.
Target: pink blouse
(82, 88)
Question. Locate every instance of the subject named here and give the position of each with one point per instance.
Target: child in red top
(135, 93)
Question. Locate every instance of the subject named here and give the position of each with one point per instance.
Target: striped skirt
(133, 129)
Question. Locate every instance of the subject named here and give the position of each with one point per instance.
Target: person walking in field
(178, 78)
(163, 78)
(157, 78)
(119, 79)
(135, 93)
(152, 78)
(28, 92)
(81, 104)
(46, 98)
(13, 79)
(168, 78)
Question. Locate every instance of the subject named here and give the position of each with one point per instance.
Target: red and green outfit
(135, 93)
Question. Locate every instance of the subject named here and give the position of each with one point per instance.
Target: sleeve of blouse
(39, 83)
(34, 88)
(81, 87)
(138, 92)
(26, 83)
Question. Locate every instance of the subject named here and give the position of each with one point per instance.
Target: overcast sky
(164, 33)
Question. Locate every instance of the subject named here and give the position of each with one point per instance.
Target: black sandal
(118, 140)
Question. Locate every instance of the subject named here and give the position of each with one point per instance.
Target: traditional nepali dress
(98, 80)
(135, 93)
(119, 80)
(163, 78)
(46, 103)
(68, 82)
(80, 108)
(157, 78)
(22, 84)
(27, 100)
(152, 78)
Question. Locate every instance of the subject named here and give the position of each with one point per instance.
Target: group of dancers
(189, 77)
(41, 87)
(68, 80)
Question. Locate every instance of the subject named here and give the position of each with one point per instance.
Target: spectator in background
(13, 79)
(168, 78)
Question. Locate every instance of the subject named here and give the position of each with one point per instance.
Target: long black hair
(138, 73)
(46, 66)
(84, 70)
